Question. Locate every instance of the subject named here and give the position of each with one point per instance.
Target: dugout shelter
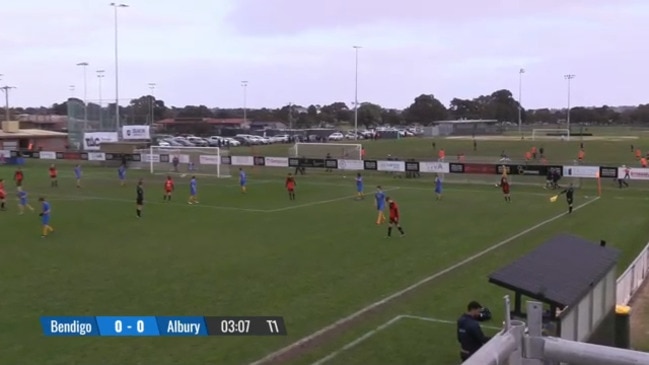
(576, 281)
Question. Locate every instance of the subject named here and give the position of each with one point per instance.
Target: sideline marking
(305, 205)
(385, 325)
(410, 288)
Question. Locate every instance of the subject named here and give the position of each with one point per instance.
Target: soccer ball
(183, 175)
(496, 184)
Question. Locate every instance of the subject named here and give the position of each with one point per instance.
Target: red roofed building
(198, 125)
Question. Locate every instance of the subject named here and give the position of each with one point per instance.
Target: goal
(348, 151)
(550, 134)
(197, 160)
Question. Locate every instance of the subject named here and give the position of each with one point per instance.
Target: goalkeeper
(570, 195)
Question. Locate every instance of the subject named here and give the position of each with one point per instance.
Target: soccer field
(315, 261)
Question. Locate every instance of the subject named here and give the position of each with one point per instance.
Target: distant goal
(540, 134)
(344, 151)
(190, 160)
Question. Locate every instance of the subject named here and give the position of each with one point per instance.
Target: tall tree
(425, 110)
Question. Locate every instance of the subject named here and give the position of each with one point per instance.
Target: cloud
(263, 17)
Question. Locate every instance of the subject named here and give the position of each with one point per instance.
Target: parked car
(336, 136)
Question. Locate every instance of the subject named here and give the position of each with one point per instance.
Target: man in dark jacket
(469, 333)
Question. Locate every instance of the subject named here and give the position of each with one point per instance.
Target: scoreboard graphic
(154, 326)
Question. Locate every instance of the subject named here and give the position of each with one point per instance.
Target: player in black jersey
(570, 195)
(139, 200)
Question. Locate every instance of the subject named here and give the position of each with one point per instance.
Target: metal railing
(633, 277)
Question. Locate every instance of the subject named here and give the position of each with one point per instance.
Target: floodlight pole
(100, 75)
(244, 85)
(152, 86)
(85, 93)
(568, 77)
(356, 48)
(117, 120)
(6, 90)
(520, 101)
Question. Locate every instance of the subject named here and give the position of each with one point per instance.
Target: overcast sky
(301, 51)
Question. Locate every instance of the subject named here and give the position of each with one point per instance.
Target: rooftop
(213, 121)
(467, 121)
(559, 272)
(32, 133)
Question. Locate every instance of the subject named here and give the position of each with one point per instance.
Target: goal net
(563, 134)
(193, 160)
(346, 151)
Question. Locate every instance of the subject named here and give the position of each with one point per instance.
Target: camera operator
(469, 332)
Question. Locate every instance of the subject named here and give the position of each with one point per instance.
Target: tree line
(425, 109)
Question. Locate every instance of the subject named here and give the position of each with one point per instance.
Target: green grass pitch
(314, 261)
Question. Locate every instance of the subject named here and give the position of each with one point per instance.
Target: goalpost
(346, 151)
(550, 134)
(199, 160)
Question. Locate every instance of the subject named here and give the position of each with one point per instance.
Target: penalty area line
(343, 321)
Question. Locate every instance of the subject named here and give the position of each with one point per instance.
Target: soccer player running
(139, 198)
(394, 217)
(169, 188)
(379, 196)
(438, 188)
(18, 177)
(570, 195)
(3, 195)
(359, 187)
(290, 186)
(121, 174)
(504, 185)
(46, 211)
(77, 175)
(243, 180)
(193, 191)
(22, 201)
(54, 182)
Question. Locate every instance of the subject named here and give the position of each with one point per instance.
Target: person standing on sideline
(469, 332)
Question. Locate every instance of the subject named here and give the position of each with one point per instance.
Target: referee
(570, 196)
(139, 199)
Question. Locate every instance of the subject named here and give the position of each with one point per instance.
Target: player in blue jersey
(193, 191)
(438, 187)
(121, 173)
(77, 175)
(22, 201)
(243, 180)
(379, 196)
(359, 187)
(45, 215)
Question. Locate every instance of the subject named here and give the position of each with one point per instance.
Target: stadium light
(152, 86)
(568, 77)
(244, 85)
(85, 93)
(117, 6)
(6, 90)
(356, 48)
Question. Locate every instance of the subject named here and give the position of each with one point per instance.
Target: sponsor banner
(182, 158)
(331, 163)
(581, 171)
(276, 161)
(47, 155)
(209, 160)
(5, 154)
(136, 132)
(391, 166)
(532, 170)
(412, 166)
(260, 161)
(370, 165)
(242, 160)
(96, 156)
(68, 155)
(435, 167)
(456, 168)
(633, 173)
(610, 172)
(92, 141)
(28, 154)
(226, 160)
(480, 168)
(353, 165)
(150, 157)
(306, 162)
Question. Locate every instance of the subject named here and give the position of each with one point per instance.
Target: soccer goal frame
(346, 151)
(556, 133)
(195, 160)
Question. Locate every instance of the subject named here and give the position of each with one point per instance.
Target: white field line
(305, 205)
(385, 325)
(410, 288)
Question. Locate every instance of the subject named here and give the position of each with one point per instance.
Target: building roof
(26, 133)
(559, 272)
(467, 121)
(212, 121)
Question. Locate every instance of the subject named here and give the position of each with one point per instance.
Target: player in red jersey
(394, 217)
(18, 177)
(3, 195)
(504, 185)
(290, 186)
(53, 177)
(169, 188)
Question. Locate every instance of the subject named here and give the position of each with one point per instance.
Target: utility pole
(152, 86)
(6, 90)
(244, 84)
